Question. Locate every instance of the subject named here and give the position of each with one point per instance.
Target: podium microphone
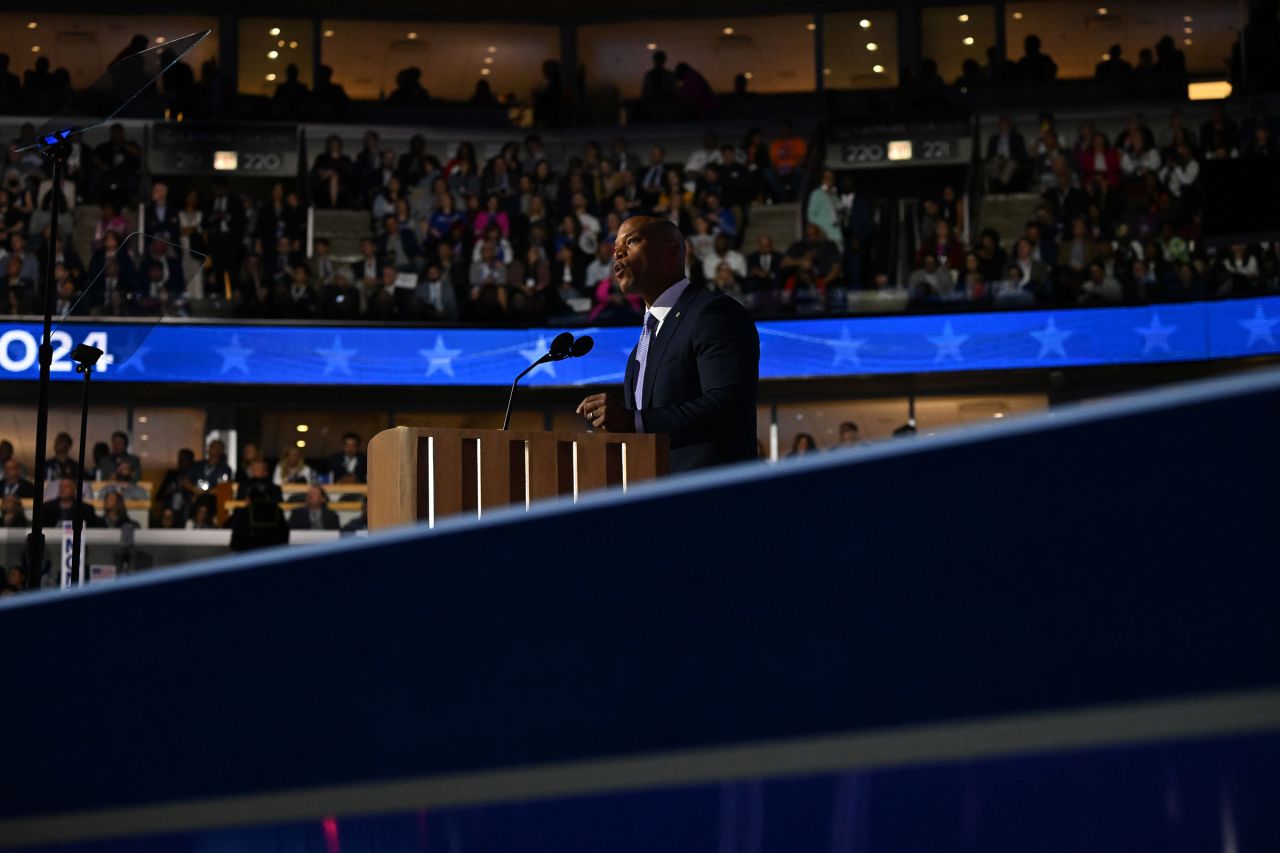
(561, 348)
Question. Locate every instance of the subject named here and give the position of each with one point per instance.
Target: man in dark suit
(316, 515)
(1007, 159)
(764, 273)
(349, 466)
(14, 483)
(693, 375)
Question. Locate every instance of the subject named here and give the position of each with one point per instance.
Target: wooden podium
(427, 473)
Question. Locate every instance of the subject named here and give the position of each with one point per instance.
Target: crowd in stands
(1119, 219)
(188, 495)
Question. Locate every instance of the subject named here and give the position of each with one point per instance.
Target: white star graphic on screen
(134, 362)
(1051, 339)
(846, 348)
(535, 352)
(1156, 335)
(440, 357)
(337, 358)
(1259, 328)
(948, 343)
(234, 355)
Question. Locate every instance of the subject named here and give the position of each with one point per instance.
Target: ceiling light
(728, 31)
(301, 443)
(968, 39)
(488, 60)
(879, 69)
(1017, 16)
(484, 72)
(35, 48)
(328, 34)
(1106, 56)
(651, 46)
(302, 427)
(826, 72)
(964, 19)
(159, 39)
(144, 437)
(1187, 42)
(872, 46)
(280, 43)
(31, 25)
(293, 45)
(747, 74)
(493, 48)
(1102, 10)
(1188, 30)
(811, 26)
(275, 31)
(411, 35)
(272, 54)
(142, 419)
(271, 78)
(864, 23)
(1186, 19)
(998, 415)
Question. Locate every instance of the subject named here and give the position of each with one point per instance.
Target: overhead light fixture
(493, 48)
(411, 36)
(1017, 16)
(811, 26)
(302, 427)
(864, 23)
(159, 39)
(826, 72)
(142, 419)
(1215, 90)
(488, 60)
(879, 69)
(271, 78)
(293, 45)
(35, 48)
(872, 46)
(651, 46)
(280, 43)
(1188, 30)
(1187, 42)
(728, 31)
(747, 74)
(964, 19)
(272, 54)
(1106, 56)
(968, 39)
(31, 25)
(1186, 19)
(484, 72)
(301, 443)
(1102, 10)
(275, 31)
(328, 34)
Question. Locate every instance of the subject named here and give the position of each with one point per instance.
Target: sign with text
(250, 150)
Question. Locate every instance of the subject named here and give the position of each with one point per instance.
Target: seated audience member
(203, 516)
(814, 255)
(1014, 290)
(722, 252)
(212, 470)
(66, 507)
(340, 300)
(946, 250)
(292, 469)
(351, 465)
(360, 522)
(172, 493)
(61, 464)
(802, 444)
(260, 523)
(14, 484)
(931, 283)
(434, 297)
(1099, 288)
(725, 281)
(302, 303)
(12, 513)
(258, 476)
(315, 515)
(114, 512)
(119, 453)
(848, 434)
(123, 483)
(764, 272)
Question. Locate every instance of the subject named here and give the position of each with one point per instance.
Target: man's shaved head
(649, 256)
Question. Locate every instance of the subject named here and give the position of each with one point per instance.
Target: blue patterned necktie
(642, 356)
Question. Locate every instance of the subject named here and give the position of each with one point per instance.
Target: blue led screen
(182, 352)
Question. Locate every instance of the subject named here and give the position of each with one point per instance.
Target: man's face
(636, 258)
(315, 498)
(813, 233)
(159, 193)
(117, 444)
(848, 436)
(61, 445)
(350, 446)
(11, 470)
(216, 451)
(124, 472)
(721, 244)
(66, 491)
(765, 244)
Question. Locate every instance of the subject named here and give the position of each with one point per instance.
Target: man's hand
(607, 413)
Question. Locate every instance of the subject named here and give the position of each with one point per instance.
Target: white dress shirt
(660, 308)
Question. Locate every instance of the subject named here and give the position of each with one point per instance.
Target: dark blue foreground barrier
(1071, 606)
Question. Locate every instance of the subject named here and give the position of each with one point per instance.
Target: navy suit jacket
(700, 381)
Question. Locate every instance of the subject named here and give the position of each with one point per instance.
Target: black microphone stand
(561, 348)
(57, 150)
(85, 358)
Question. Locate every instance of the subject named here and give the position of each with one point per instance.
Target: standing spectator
(1113, 69)
(225, 236)
(787, 153)
(658, 91)
(815, 256)
(159, 217)
(722, 252)
(1036, 67)
(1007, 159)
(117, 164)
(61, 464)
(824, 208)
(331, 175)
